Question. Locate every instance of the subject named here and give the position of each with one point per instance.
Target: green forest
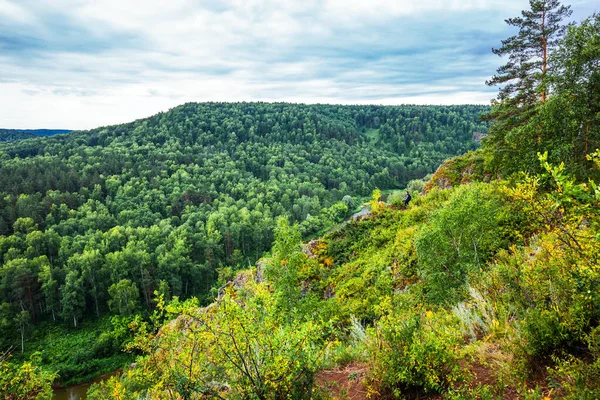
(94, 223)
(8, 135)
(209, 251)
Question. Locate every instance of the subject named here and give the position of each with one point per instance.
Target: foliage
(566, 125)
(124, 297)
(168, 201)
(8, 135)
(414, 350)
(550, 283)
(78, 355)
(461, 236)
(141, 220)
(284, 268)
(577, 378)
(238, 348)
(459, 171)
(26, 381)
(525, 73)
(376, 203)
(364, 293)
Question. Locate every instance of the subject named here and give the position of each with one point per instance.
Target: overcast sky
(80, 64)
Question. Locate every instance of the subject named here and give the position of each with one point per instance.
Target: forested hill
(7, 135)
(162, 203)
(292, 158)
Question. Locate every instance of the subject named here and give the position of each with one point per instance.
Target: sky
(81, 64)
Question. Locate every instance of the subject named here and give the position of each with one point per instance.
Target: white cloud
(14, 12)
(81, 63)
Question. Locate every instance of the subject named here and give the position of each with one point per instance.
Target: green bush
(414, 350)
(460, 237)
(577, 378)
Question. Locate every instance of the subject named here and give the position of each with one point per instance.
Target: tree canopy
(95, 222)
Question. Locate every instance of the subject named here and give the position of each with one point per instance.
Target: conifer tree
(524, 79)
(525, 73)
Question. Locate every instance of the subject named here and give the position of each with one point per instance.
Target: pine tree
(540, 30)
(525, 85)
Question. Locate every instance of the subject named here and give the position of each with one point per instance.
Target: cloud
(81, 64)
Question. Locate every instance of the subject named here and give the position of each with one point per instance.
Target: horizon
(80, 66)
(239, 102)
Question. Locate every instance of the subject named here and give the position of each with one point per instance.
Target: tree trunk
(144, 287)
(95, 297)
(544, 56)
(587, 133)
(96, 304)
(31, 304)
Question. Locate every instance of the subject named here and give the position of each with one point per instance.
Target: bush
(241, 346)
(460, 237)
(414, 351)
(25, 381)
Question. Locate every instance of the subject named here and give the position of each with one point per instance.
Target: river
(78, 392)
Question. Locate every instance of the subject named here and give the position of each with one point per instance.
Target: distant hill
(8, 135)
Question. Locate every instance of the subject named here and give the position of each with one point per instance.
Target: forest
(8, 135)
(95, 223)
(484, 286)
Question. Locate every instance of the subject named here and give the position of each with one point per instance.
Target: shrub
(414, 350)
(25, 381)
(241, 346)
(460, 237)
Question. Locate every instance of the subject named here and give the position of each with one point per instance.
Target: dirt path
(344, 383)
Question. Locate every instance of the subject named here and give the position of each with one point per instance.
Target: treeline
(9, 135)
(99, 220)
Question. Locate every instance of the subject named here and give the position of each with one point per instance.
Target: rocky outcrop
(459, 171)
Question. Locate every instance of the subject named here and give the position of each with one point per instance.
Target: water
(72, 392)
(78, 392)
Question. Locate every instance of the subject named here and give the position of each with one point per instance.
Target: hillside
(94, 223)
(8, 135)
(484, 287)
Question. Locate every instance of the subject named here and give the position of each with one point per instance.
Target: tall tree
(525, 73)
(73, 296)
(123, 297)
(49, 289)
(23, 320)
(525, 85)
